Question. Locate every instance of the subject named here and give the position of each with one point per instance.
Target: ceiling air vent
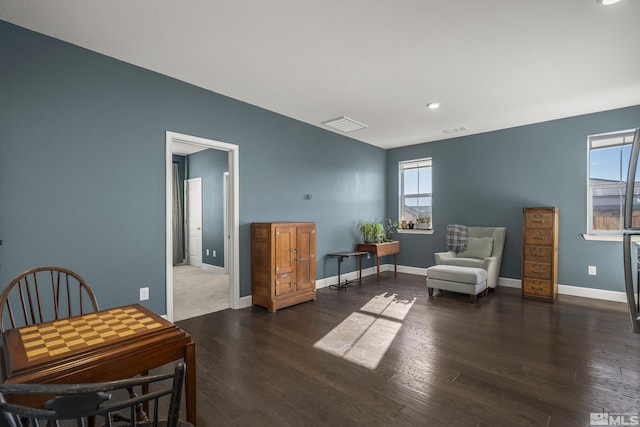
(454, 130)
(344, 124)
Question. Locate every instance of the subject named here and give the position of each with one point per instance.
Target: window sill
(413, 231)
(608, 237)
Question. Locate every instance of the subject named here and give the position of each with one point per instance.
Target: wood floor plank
(501, 361)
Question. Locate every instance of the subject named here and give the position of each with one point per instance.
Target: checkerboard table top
(66, 335)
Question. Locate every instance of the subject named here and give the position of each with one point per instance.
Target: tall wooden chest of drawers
(540, 253)
(283, 263)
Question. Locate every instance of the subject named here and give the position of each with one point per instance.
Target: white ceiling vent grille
(454, 130)
(344, 124)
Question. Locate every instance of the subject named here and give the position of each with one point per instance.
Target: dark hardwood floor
(503, 361)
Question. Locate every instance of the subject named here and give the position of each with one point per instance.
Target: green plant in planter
(423, 222)
(372, 232)
(389, 227)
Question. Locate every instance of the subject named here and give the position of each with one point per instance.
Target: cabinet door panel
(535, 269)
(284, 284)
(538, 219)
(285, 250)
(539, 236)
(538, 253)
(306, 265)
(537, 287)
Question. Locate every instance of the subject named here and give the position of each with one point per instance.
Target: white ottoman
(466, 280)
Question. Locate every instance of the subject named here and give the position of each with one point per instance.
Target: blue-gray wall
(487, 179)
(82, 168)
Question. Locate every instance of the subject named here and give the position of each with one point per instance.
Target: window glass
(608, 166)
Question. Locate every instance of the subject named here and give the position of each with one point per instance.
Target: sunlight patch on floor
(365, 335)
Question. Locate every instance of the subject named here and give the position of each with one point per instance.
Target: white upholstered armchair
(484, 250)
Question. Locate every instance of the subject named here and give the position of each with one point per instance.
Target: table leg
(346, 283)
(377, 268)
(395, 265)
(360, 274)
(190, 381)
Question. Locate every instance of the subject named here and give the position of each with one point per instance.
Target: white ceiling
(493, 63)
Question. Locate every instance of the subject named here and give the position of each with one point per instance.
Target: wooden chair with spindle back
(84, 404)
(45, 294)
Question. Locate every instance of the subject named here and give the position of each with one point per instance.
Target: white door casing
(233, 217)
(226, 216)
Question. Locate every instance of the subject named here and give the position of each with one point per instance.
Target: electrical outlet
(214, 253)
(144, 294)
(592, 270)
(368, 255)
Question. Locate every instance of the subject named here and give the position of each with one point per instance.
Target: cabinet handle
(537, 271)
(537, 288)
(539, 255)
(538, 221)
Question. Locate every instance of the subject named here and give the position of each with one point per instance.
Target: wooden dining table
(106, 345)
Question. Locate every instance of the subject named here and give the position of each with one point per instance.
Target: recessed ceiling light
(433, 105)
(344, 124)
(607, 2)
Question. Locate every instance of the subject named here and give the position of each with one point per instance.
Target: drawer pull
(539, 255)
(538, 238)
(537, 288)
(537, 271)
(538, 221)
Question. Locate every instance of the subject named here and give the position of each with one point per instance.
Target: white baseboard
(578, 291)
(411, 270)
(244, 302)
(351, 276)
(592, 293)
(213, 268)
(509, 283)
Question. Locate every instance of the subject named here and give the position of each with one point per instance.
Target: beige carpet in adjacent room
(197, 292)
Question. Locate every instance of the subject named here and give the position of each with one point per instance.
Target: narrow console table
(341, 256)
(381, 249)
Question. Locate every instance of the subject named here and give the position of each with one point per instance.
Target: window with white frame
(608, 165)
(416, 198)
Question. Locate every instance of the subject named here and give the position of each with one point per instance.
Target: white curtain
(178, 240)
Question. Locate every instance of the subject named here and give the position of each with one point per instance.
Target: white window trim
(413, 231)
(422, 162)
(608, 237)
(613, 235)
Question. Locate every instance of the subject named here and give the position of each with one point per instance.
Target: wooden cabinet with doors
(283, 263)
(540, 253)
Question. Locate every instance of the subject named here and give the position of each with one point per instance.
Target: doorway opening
(181, 143)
